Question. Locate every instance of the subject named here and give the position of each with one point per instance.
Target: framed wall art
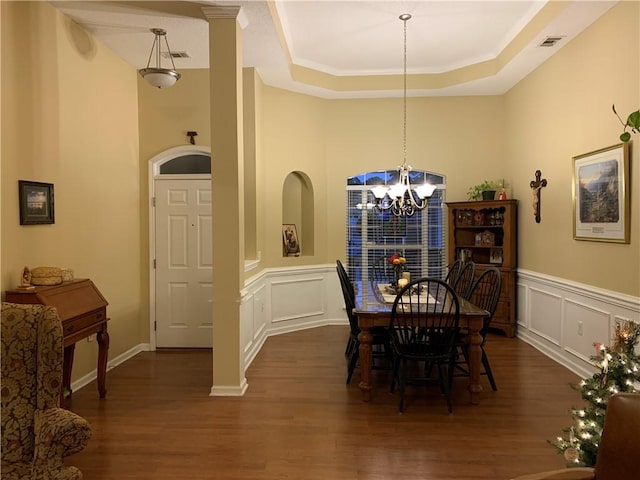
(601, 195)
(36, 203)
(290, 240)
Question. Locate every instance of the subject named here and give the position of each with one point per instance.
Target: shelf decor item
(290, 243)
(485, 239)
(601, 195)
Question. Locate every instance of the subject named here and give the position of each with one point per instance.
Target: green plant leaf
(634, 120)
(625, 137)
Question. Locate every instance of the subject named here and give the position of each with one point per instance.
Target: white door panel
(183, 263)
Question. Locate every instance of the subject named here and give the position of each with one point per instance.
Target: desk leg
(103, 349)
(475, 361)
(365, 338)
(66, 373)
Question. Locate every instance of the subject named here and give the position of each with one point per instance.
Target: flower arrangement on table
(398, 262)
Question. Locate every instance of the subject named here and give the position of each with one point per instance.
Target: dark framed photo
(36, 202)
(601, 195)
(495, 256)
(290, 240)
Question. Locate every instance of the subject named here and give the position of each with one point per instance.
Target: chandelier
(400, 199)
(157, 76)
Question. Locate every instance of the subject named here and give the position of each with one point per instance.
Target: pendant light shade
(157, 76)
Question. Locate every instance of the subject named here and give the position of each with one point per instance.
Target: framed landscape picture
(36, 203)
(601, 195)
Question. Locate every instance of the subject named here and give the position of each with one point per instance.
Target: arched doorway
(180, 248)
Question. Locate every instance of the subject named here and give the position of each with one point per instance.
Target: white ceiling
(361, 38)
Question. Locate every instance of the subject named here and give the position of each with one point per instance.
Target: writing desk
(83, 311)
(372, 311)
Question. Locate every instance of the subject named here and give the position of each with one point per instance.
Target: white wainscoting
(552, 312)
(564, 319)
(281, 300)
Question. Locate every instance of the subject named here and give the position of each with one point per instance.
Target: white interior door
(183, 263)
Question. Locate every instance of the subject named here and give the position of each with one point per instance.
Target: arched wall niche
(298, 209)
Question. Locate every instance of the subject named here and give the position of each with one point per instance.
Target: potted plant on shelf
(633, 122)
(485, 190)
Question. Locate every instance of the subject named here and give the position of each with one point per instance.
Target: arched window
(187, 164)
(373, 234)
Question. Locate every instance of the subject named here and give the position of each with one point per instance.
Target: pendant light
(157, 76)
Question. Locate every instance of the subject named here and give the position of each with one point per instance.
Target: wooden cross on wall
(536, 186)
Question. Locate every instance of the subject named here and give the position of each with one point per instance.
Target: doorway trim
(153, 174)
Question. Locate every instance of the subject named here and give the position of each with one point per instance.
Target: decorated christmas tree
(619, 371)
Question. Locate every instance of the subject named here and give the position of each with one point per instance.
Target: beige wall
(459, 137)
(69, 117)
(293, 139)
(561, 110)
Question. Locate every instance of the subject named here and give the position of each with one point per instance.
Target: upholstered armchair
(36, 434)
(619, 448)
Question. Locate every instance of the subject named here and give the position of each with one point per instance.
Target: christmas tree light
(618, 372)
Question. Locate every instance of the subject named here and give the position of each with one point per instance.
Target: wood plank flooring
(298, 419)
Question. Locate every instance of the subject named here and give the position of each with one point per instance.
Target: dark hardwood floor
(298, 419)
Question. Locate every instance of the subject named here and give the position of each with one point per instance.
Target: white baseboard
(93, 375)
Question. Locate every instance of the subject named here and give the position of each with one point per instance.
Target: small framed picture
(290, 242)
(495, 256)
(36, 203)
(601, 195)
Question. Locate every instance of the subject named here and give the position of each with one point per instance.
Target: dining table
(373, 309)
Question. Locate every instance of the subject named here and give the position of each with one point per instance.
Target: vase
(397, 270)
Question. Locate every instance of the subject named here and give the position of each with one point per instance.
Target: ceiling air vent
(176, 55)
(550, 41)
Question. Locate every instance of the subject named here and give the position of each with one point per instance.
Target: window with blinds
(375, 235)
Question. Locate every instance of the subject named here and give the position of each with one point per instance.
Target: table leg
(365, 338)
(475, 360)
(102, 338)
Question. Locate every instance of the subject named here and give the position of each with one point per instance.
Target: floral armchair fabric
(36, 433)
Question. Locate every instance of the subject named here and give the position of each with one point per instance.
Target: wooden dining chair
(463, 283)
(380, 334)
(345, 282)
(453, 271)
(423, 328)
(484, 293)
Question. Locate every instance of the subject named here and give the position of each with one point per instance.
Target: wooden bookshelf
(485, 232)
